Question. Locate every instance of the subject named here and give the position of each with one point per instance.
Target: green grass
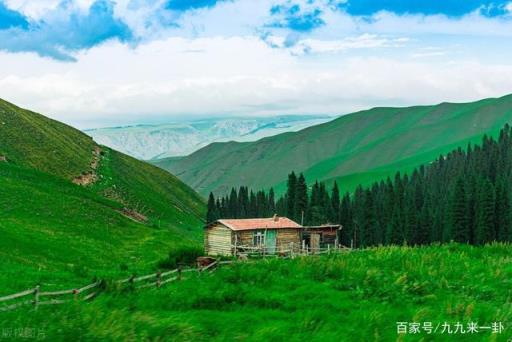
(32, 140)
(361, 147)
(62, 235)
(150, 190)
(356, 296)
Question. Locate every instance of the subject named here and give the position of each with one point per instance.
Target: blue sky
(453, 8)
(64, 26)
(96, 62)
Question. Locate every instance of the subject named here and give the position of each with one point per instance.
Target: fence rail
(38, 296)
(288, 251)
(150, 280)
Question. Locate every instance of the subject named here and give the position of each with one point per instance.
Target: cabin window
(259, 238)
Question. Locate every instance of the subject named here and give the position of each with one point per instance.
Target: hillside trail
(91, 176)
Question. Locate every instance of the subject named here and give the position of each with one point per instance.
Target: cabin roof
(324, 226)
(259, 223)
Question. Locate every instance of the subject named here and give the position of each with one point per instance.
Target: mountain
(182, 138)
(355, 148)
(71, 209)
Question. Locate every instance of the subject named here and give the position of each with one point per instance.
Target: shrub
(183, 255)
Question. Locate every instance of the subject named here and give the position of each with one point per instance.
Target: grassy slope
(363, 143)
(58, 233)
(351, 297)
(32, 140)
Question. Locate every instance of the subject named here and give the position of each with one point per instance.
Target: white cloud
(216, 62)
(239, 75)
(318, 46)
(38, 9)
(508, 7)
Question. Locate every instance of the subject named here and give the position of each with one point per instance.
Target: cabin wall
(286, 238)
(218, 240)
(320, 237)
(283, 238)
(328, 238)
(245, 238)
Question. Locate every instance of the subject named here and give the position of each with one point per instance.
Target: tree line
(463, 196)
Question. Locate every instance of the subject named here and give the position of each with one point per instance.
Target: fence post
(36, 296)
(132, 281)
(158, 278)
(179, 272)
(75, 294)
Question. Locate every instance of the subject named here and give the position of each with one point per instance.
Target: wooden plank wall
(218, 240)
(285, 238)
(245, 238)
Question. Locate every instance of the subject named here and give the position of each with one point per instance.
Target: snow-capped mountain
(182, 138)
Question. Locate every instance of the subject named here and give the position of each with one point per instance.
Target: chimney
(275, 218)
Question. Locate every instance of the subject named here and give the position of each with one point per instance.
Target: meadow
(352, 296)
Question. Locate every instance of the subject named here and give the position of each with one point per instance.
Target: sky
(96, 63)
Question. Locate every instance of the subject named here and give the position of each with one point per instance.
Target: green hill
(127, 218)
(355, 148)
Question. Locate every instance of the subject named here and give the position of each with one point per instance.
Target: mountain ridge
(184, 137)
(351, 144)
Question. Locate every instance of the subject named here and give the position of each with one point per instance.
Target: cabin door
(315, 242)
(270, 242)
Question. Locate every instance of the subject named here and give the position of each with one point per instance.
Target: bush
(183, 255)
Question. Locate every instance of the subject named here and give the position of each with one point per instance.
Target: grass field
(61, 235)
(358, 296)
(355, 148)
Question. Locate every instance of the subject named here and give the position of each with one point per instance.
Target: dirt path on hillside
(90, 177)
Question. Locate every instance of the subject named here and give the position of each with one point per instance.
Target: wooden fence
(290, 252)
(36, 297)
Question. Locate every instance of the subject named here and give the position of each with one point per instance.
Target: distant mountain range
(182, 138)
(354, 149)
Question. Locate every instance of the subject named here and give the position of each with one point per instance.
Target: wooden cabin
(319, 237)
(266, 235)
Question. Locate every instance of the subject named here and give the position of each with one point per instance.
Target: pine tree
(485, 230)
(395, 235)
(291, 195)
(503, 212)
(315, 214)
(369, 223)
(271, 203)
(212, 213)
(281, 206)
(243, 202)
(458, 228)
(253, 205)
(422, 233)
(301, 199)
(233, 204)
(335, 204)
(345, 219)
(261, 204)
